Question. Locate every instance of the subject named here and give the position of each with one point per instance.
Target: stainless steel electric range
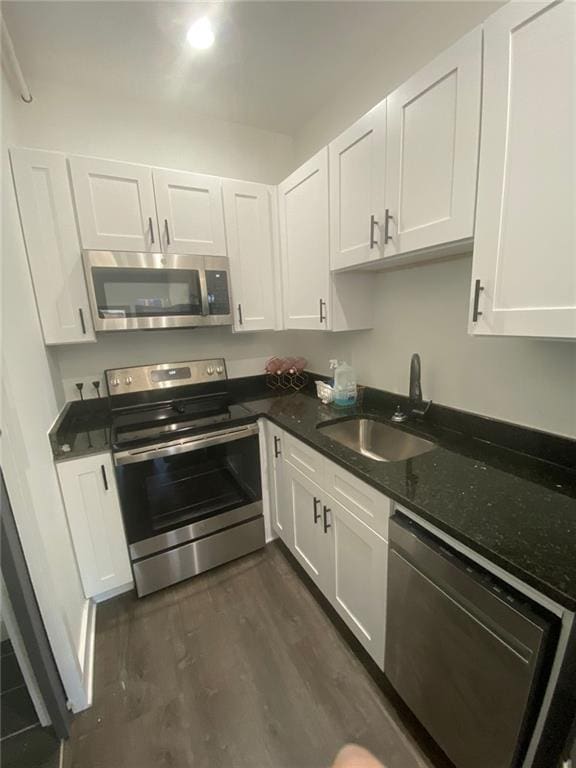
(188, 470)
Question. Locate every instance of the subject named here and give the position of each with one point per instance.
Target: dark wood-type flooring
(237, 668)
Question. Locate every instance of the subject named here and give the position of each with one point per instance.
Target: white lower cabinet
(312, 544)
(279, 511)
(341, 544)
(359, 578)
(88, 486)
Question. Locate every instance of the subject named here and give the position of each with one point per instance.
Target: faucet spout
(415, 391)
(418, 406)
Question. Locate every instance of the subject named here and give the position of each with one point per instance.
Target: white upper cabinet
(250, 238)
(49, 226)
(357, 177)
(115, 205)
(304, 237)
(90, 496)
(524, 271)
(313, 298)
(190, 213)
(432, 152)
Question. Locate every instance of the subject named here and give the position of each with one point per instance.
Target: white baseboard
(86, 653)
(128, 587)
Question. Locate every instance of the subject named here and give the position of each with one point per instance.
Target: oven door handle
(184, 446)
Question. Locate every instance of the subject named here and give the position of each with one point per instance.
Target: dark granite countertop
(516, 510)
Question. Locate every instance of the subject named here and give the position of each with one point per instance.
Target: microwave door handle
(204, 293)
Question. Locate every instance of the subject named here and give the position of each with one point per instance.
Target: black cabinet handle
(327, 525)
(316, 513)
(167, 231)
(277, 451)
(104, 478)
(240, 320)
(387, 217)
(373, 223)
(151, 226)
(82, 323)
(322, 315)
(475, 311)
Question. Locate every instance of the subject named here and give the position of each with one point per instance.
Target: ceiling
(273, 65)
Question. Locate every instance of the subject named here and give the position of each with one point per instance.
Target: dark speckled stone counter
(516, 510)
(82, 428)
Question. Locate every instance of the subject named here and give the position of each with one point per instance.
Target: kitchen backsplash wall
(425, 309)
(245, 353)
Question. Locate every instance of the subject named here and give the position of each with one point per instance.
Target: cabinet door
(91, 499)
(304, 238)
(249, 234)
(357, 179)
(280, 508)
(312, 544)
(432, 151)
(115, 205)
(47, 215)
(190, 213)
(359, 580)
(525, 243)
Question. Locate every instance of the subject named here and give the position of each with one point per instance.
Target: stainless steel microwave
(129, 291)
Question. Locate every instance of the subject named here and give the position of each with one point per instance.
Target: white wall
(425, 309)
(427, 29)
(70, 120)
(29, 408)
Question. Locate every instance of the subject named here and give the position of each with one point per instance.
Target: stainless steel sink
(376, 440)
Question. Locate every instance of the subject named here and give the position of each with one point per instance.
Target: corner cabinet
(313, 299)
(52, 246)
(251, 239)
(115, 205)
(88, 486)
(433, 132)
(336, 527)
(524, 268)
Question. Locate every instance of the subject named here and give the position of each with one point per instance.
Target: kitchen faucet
(417, 406)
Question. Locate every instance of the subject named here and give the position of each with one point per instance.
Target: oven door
(172, 493)
(152, 290)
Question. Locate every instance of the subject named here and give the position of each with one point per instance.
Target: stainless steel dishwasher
(465, 652)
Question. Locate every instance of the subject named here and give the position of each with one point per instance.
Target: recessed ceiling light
(201, 35)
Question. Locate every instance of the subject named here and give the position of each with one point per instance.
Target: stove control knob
(210, 370)
(128, 380)
(220, 370)
(115, 382)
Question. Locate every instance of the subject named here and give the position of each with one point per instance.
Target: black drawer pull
(277, 451)
(478, 287)
(326, 523)
(316, 513)
(104, 478)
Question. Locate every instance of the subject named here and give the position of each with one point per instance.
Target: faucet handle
(423, 409)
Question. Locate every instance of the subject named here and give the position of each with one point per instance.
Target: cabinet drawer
(369, 505)
(304, 458)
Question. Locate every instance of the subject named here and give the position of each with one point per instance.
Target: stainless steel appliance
(129, 291)
(188, 470)
(467, 655)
